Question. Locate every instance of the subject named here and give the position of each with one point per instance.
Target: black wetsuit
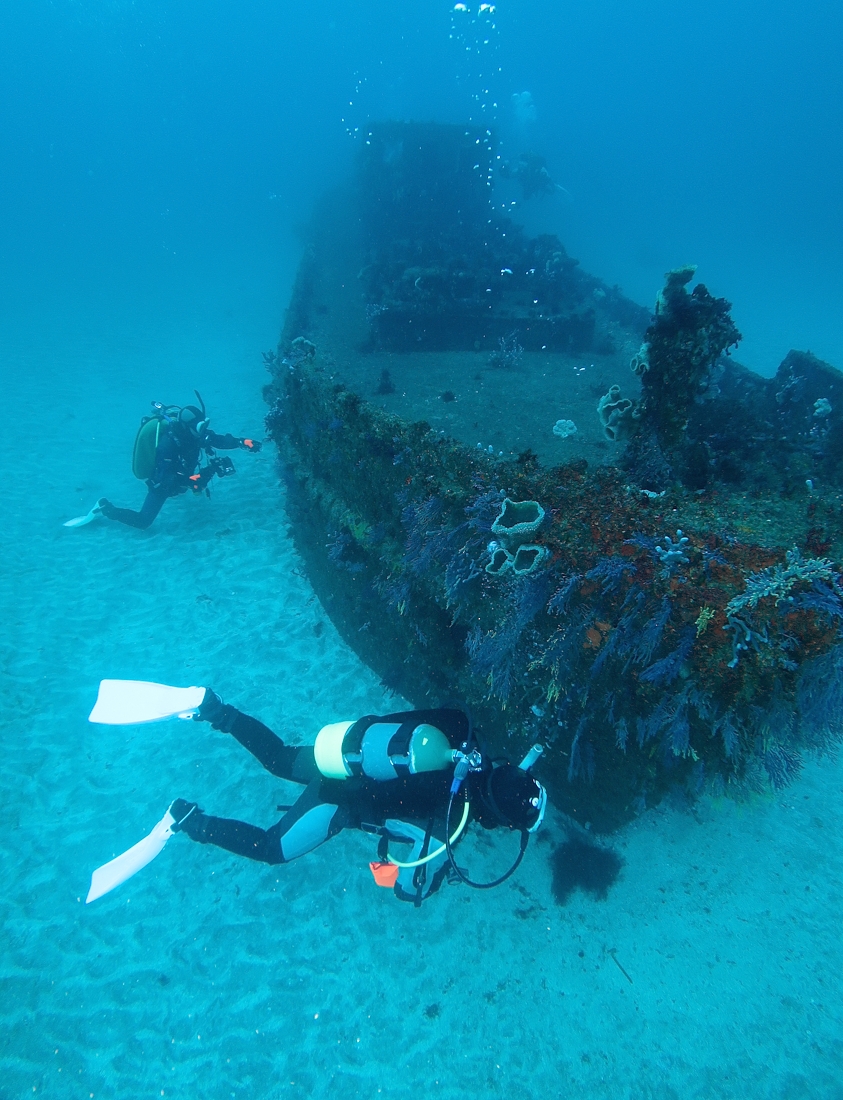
(176, 461)
(327, 806)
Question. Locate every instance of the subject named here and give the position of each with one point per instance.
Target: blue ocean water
(158, 163)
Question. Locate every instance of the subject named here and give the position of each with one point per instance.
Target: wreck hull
(350, 536)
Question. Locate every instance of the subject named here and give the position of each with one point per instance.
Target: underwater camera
(222, 466)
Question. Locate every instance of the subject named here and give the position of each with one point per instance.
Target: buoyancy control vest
(418, 876)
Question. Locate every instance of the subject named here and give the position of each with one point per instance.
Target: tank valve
(465, 763)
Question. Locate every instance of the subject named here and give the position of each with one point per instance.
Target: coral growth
(616, 414)
(678, 362)
(508, 353)
(564, 429)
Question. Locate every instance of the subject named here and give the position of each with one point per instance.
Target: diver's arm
(225, 442)
(230, 442)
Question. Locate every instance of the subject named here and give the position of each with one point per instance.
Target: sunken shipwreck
(513, 487)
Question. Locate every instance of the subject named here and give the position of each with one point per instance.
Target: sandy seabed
(712, 968)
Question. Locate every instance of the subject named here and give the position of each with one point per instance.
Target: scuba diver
(168, 455)
(413, 777)
(530, 170)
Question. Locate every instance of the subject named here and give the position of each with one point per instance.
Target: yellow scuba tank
(381, 750)
(146, 445)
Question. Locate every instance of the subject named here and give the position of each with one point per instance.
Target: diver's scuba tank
(381, 750)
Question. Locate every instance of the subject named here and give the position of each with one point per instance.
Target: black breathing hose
(525, 837)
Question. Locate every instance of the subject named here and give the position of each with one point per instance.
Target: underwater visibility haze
(375, 274)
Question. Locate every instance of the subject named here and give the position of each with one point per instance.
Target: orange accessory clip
(384, 874)
(195, 477)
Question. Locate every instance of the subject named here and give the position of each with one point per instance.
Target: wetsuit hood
(193, 419)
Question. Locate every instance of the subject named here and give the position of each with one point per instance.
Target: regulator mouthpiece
(531, 757)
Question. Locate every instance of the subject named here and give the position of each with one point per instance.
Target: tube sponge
(528, 558)
(518, 519)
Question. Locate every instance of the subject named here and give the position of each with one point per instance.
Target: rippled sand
(710, 969)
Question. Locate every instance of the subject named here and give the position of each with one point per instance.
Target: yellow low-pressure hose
(439, 850)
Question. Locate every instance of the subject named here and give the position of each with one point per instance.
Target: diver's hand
(253, 445)
(198, 482)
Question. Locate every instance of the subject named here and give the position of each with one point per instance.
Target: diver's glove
(199, 481)
(253, 445)
(211, 709)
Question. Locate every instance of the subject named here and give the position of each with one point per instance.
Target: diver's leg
(286, 761)
(309, 823)
(235, 836)
(150, 508)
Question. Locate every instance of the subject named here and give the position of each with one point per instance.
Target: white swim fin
(94, 513)
(127, 702)
(117, 870)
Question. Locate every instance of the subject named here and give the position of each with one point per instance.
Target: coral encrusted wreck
(674, 619)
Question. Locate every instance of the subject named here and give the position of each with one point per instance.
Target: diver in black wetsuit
(393, 776)
(182, 437)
